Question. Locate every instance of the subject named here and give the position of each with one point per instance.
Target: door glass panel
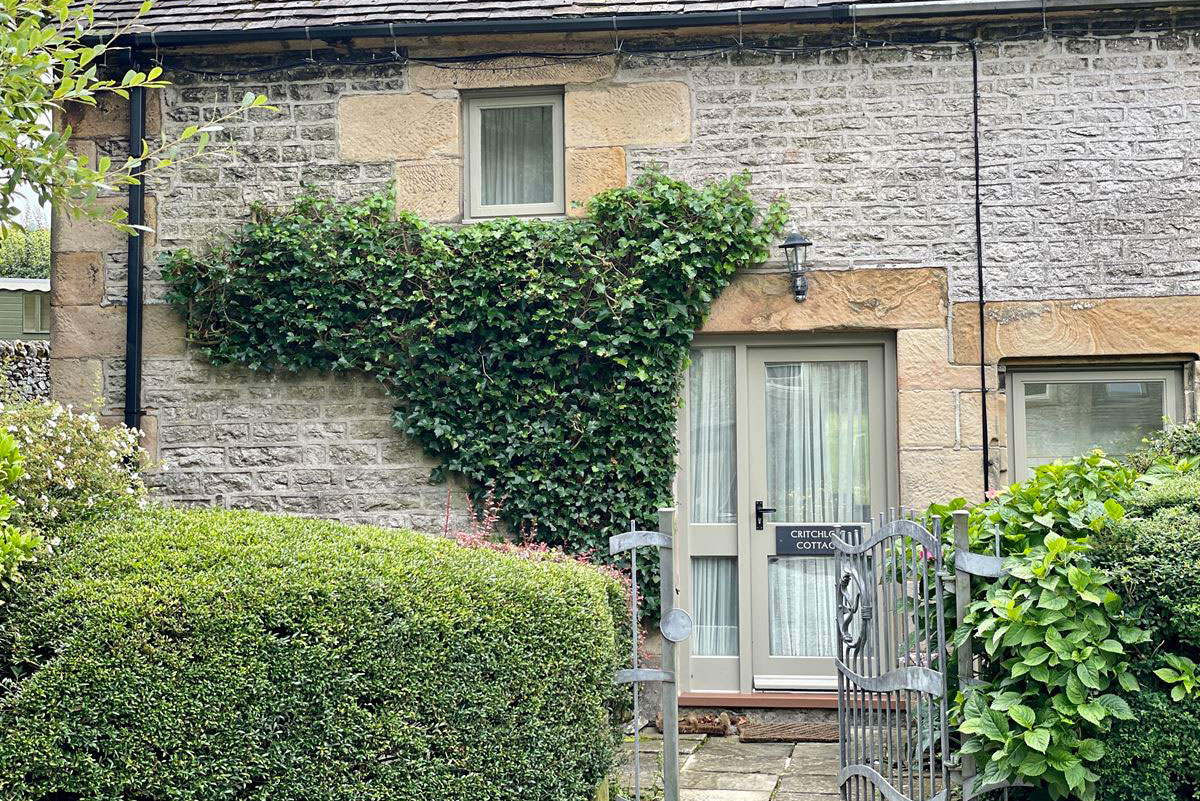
(801, 590)
(1070, 418)
(818, 471)
(714, 594)
(712, 428)
(818, 442)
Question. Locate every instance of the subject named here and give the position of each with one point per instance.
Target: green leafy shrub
(1156, 755)
(174, 654)
(540, 359)
(1154, 558)
(25, 253)
(74, 466)
(17, 547)
(1172, 443)
(1053, 636)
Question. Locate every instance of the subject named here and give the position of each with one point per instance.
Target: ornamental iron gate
(893, 658)
(891, 662)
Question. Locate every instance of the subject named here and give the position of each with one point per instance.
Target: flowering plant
(74, 466)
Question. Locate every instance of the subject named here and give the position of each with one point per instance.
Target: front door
(817, 456)
(808, 432)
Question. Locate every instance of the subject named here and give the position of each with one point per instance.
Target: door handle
(759, 511)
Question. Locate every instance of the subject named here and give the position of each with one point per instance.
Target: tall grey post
(962, 600)
(676, 626)
(670, 687)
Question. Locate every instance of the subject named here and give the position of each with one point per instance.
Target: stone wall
(1089, 179)
(25, 366)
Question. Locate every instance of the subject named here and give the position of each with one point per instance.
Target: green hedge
(234, 655)
(25, 254)
(1154, 556)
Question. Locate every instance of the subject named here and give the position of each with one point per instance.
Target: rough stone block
(76, 279)
(77, 382)
(74, 235)
(397, 126)
(927, 418)
(590, 171)
(655, 113)
(837, 300)
(109, 118)
(515, 71)
(939, 475)
(99, 331)
(432, 190)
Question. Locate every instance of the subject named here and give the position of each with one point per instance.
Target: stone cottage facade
(1088, 124)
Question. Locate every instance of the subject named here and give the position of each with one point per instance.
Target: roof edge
(838, 12)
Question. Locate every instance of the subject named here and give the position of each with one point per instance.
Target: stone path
(725, 769)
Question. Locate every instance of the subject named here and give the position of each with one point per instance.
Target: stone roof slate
(228, 15)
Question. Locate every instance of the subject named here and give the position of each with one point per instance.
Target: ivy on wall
(540, 359)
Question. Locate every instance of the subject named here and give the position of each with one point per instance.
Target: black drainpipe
(134, 294)
(983, 388)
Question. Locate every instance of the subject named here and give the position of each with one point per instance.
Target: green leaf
(1116, 706)
(1022, 715)
(1038, 740)
(1093, 712)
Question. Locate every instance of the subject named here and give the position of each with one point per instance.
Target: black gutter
(638, 22)
(983, 388)
(133, 278)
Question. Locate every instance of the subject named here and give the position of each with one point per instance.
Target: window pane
(517, 155)
(1067, 419)
(801, 606)
(818, 442)
(714, 590)
(712, 428)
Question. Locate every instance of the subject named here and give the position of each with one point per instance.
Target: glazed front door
(817, 455)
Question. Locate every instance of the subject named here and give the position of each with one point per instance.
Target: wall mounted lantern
(795, 248)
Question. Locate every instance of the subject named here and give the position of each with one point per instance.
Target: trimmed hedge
(234, 655)
(1154, 557)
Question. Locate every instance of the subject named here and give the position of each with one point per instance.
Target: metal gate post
(670, 687)
(962, 600)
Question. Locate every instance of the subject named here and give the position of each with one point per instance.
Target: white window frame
(37, 322)
(1017, 378)
(473, 106)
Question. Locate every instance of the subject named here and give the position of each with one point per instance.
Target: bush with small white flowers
(75, 467)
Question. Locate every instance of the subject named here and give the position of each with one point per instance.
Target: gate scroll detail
(891, 662)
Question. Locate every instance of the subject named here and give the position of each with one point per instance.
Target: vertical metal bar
(839, 560)
(962, 599)
(895, 757)
(670, 686)
(637, 717)
(134, 296)
(942, 653)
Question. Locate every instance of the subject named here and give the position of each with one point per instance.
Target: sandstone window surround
(1060, 413)
(514, 154)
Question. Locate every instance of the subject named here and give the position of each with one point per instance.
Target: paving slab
(723, 795)
(701, 780)
(808, 784)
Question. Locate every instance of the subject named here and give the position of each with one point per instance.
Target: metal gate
(893, 655)
(891, 662)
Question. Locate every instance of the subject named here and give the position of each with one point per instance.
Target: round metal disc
(676, 625)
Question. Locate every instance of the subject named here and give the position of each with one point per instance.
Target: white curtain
(818, 459)
(517, 161)
(712, 426)
(714, 592)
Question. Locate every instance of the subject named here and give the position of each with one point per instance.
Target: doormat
(788, 732)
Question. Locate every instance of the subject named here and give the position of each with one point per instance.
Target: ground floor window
(1059, 414)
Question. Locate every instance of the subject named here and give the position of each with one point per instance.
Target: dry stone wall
(25, 366)
(1089, 178)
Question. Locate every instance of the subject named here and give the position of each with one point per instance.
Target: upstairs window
(514, 155)
(1061, 414)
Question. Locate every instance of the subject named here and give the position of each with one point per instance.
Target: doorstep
(763, 700)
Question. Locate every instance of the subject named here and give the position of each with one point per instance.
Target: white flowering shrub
(74, 466)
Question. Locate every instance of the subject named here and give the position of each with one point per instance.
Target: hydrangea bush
(74, 465)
